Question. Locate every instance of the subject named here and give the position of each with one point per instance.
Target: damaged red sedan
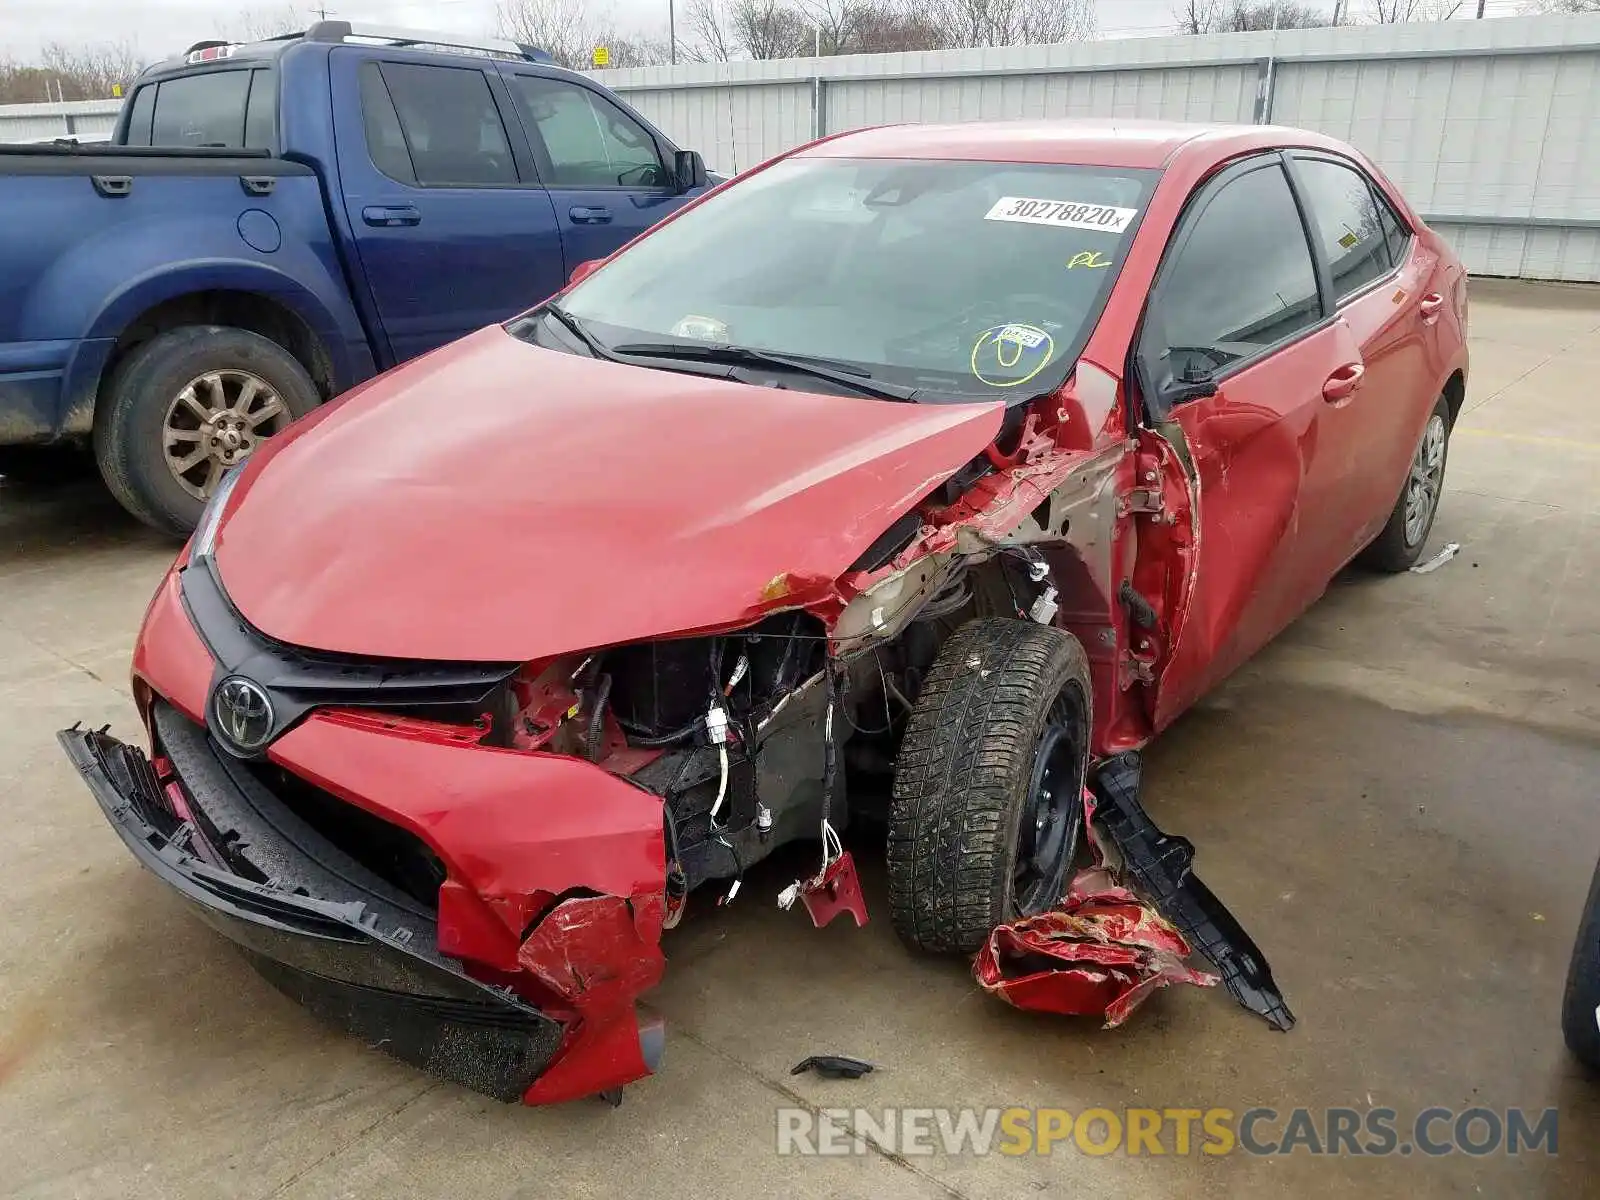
(948, 459)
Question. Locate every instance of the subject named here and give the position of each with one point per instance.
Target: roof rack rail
(338, 31)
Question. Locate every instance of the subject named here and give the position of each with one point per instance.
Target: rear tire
(1400, 544)
(988, 786)
(1579, 1021)
(132, 429)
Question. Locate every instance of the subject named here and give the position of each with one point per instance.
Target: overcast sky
(160, 27)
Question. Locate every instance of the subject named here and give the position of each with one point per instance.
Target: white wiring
(722, 783)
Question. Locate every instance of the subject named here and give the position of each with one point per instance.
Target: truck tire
(1398, 546)
(200, 394)
(987, 810)
(1580, 1007)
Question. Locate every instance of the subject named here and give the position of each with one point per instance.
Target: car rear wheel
(987, 813)
(186, 406)
(1580, 1010)
(1400, 543)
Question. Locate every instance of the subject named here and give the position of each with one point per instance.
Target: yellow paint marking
(1532, 438)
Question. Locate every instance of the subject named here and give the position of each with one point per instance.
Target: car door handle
(1431, 306)
(383, 215)
(1342, 382)
(584, 215)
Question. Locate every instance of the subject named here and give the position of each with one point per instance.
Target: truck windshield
(956, 279)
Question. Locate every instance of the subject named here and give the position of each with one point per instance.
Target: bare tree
(1242, 16)
(570, 30)
(1561, 6)
(710, 34)
(90, 73)
(1011, 22)
(259, 24)
(1398, 12)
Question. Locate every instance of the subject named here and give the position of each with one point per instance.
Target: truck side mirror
(583, 270)
(689, 170)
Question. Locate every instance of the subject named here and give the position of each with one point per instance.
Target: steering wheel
(961, 330)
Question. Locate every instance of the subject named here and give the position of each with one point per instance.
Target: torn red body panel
(835, 890)
(1102, 953)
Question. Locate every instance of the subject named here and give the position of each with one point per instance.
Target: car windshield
(961, 280)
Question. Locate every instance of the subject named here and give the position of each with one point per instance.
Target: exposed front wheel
(186, 406)
(988, 786)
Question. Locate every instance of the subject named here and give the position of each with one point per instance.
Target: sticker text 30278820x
(1068, 214)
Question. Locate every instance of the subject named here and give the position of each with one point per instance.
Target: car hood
(494, 501)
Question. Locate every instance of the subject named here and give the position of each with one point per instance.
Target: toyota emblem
(242, 712)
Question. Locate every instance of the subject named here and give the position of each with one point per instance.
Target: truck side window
(588, 141)
(144, 106)
(386, 142)
(450, 124)
(260, 115)
(201, 110)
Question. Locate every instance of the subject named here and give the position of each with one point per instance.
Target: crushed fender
(1163, 868)
(1103, 952)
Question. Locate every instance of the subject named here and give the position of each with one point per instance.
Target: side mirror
(583, 270)
(689, 170)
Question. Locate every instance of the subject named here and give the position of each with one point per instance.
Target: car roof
(1113, 142)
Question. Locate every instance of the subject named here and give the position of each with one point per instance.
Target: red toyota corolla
(952, 458)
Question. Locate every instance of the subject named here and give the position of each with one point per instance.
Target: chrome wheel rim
(214, 422)
(1422, 486)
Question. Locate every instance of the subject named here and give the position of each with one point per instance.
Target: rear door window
(588, 141)
(260, 112)
(1347, 223)
(449, 125)
(1242, 279)
(201, 110)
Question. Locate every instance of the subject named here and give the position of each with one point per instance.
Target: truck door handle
(112, 186)
(589, 216)
(1342, 382)
(1430, 307)
(383, 215)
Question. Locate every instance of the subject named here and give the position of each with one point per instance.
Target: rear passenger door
(1378, 277)
(451, 226)
(610, 176)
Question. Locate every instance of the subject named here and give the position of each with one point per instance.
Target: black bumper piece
(1163, 867)
(317, 925)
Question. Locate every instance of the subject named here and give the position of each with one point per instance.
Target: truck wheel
(186, 406)
(1400, 544)
(988, 786)
(1580, 1009)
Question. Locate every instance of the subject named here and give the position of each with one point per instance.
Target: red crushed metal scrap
(1103, 951)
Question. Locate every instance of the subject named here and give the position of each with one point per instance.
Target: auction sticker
(1068, 214)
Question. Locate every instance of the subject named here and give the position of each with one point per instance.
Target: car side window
(1347, 223)
(1242, 278)
(449, 126)
(1395, 232)
(588, 141)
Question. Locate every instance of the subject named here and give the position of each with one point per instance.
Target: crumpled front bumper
(360, 953)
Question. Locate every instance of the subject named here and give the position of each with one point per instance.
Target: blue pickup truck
(276, 222)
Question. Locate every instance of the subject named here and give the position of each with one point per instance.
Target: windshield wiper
(845, 376)
(575, 327)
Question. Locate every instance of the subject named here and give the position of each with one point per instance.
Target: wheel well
(1455, 394)
(240, 310)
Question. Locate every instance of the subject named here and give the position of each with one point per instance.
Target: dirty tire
(1578, 1018)
(963, 776)
(1391, 552)
(132, 408)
